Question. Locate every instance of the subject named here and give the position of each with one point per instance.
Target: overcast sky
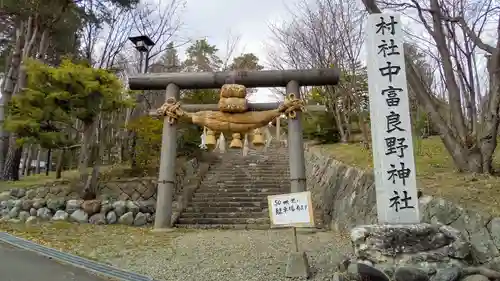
(218, 19)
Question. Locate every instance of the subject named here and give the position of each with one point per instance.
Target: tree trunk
(29, 168)
(488, 138)
(340, 126)
(48, 165)
(60, 162)
(85, 150)
(70, 160)
(364, 131)
(12, 161)
(12, 170)
(38, 160)
(27, 160)
(8, 86)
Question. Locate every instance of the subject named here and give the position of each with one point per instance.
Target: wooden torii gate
(172, 110)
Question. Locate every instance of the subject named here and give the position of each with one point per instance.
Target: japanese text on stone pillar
(394, 161)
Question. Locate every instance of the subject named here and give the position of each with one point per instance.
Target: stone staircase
(233, 194)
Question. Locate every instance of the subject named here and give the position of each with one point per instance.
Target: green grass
(436, 174)
(37, 180)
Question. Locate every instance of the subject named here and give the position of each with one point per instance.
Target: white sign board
(394, 163)
(291, 210)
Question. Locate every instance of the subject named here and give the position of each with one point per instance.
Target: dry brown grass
(436, 174)
(98, 242)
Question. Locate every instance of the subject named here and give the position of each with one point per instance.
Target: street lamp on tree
(143, 44)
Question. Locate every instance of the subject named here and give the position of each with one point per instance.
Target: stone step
(243, 184)
(245, 181)
(224, 226)
(234, 177)
(224, 215)
(244, 171)
(229, 164)
(208, 204)
(198, 198)
(222, 220)
(255, 157)
(279, 174)
(197, 209)
(233, 190)
(217, 194)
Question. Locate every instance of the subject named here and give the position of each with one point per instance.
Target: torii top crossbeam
(250, 79)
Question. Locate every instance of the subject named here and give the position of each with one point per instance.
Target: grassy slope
(436, 174)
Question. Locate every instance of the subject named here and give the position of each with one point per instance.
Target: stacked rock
(233, 98)
(415, 252)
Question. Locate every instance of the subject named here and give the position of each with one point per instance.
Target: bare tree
(161, 21)
(323, 34)
(457, 30)
(232, 43)
(104, 40)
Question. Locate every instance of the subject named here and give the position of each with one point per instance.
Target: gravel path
(234, 255)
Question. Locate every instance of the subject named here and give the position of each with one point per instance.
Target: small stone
(150, 218)
(140, 219)
(132, 207)
(32, 220)
(4, 196)
(127, 218)
(18, 203)
(32, 212)
(98, 219)
(79, 216)
(18, 192)
(14, 220)
(23, 216)
(30, 194)
(91, 206)
(3, 204)
(55, 204)
(10, 203)
(297, 265)
(106, 206)
(120, 207)
(73, 205)
(366, 272)
(358, 234)
(42, 192)
(39, 203)
(14, 212)
(494, 229)
(447, 274)
(111, 217)
(27, 204)
(406, 273)
(44, 213)
(146, 206)
(475, 277)
(337, 276)
(60, 215)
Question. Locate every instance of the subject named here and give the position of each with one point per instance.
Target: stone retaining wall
(130, 201)
(344, 197)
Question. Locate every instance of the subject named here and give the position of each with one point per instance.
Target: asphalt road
(21, 265)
